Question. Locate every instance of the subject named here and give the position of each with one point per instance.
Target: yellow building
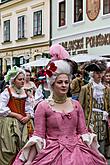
(24, 31)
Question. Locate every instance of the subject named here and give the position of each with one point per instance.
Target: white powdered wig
(62, 67)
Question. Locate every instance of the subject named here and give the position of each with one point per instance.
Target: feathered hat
(13, 73)
(60, 63)
(58, 52)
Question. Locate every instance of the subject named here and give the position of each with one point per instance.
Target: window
(38, 56)
(106, 6)
(16, 61)
(6, 30)
(62, 13)
(3, 1)
(37, 23)
(21, 60)
(78, 10)
(21, 27)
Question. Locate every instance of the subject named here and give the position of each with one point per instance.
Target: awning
(39, 62)
(86, 57)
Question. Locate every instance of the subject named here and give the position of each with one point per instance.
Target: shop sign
(82, 44)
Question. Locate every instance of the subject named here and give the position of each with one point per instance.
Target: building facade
(24, 31)
(82, 26)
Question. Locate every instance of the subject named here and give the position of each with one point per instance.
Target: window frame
(6, 31)
(60, 13)
(36, 23)
(75, 8)
(104, 6)
(21, 26)
(4, 1)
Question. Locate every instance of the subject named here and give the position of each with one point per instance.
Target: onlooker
(30, 87)
(106, 78)
(35, 93)
(76, 84)
(80, 15)
(3, 84)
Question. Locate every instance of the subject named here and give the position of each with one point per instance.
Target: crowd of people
(70, 126)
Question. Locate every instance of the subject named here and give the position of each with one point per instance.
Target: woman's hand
(19, 116)
(25, 119)
(16, 115)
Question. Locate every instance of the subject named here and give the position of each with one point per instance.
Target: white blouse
(4, 99)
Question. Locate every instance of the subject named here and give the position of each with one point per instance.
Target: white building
(82, 26)
(24, 31)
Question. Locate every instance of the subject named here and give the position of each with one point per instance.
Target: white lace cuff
(90, 138)
(105, 116)
(38, 141)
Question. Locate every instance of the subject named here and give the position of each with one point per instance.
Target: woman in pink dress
(60, 136)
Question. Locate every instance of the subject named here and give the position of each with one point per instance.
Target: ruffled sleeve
(34, 140)
(4, 99)
(90, 139)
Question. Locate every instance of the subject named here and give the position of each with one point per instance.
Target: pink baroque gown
(65, 135)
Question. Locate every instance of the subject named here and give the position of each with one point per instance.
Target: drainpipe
(50, 42)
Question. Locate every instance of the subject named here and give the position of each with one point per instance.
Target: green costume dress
(13, 134)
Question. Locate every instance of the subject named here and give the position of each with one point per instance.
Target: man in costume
(95, 100)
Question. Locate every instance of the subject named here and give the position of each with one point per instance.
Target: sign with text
(82, 44)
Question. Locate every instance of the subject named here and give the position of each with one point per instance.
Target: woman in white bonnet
(60, 136)
(15, 116)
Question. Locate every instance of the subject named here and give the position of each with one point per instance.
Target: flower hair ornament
(51, 68)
